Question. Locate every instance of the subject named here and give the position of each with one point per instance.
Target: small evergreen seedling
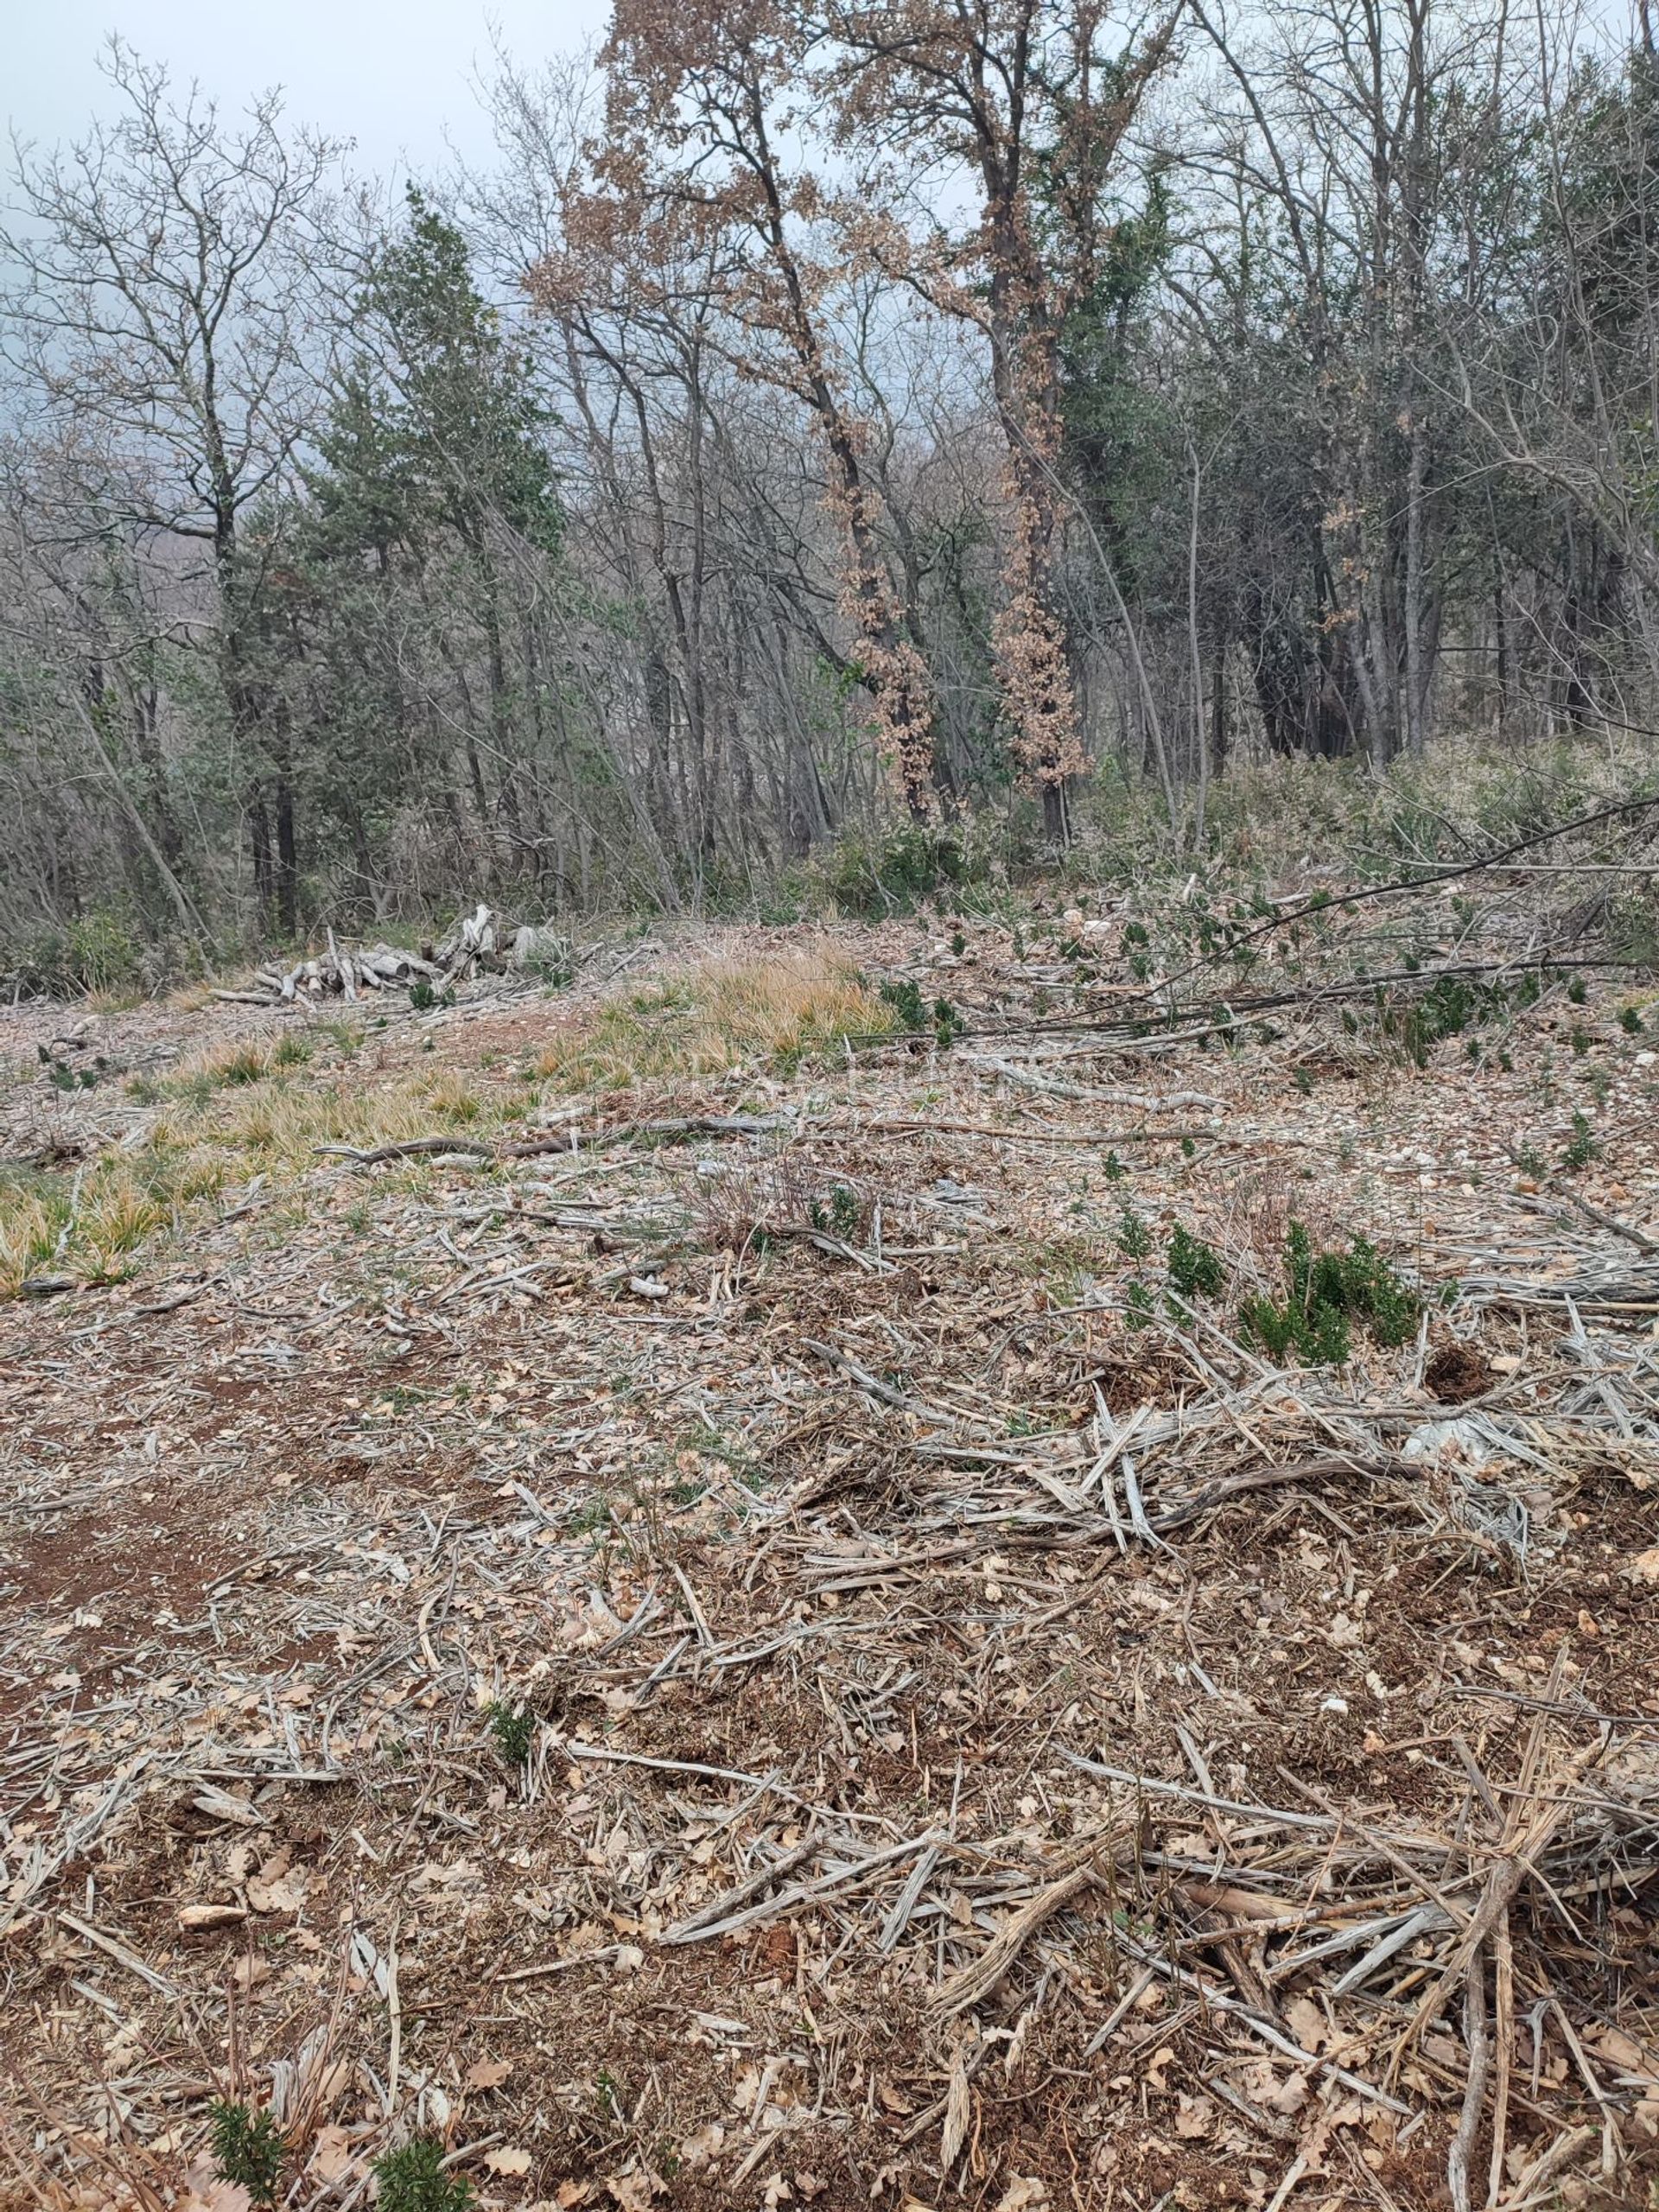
(1133, 1240)
(413, 2180)
(1327, 1291)
(1576, 992)
(248, 2149)
(1581, 1147)
(513, 1731)
(906, 1001)
(1195, 1269)
(839, 1215)
(1629, 1022)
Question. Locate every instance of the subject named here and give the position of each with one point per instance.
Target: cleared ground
(807, 1657)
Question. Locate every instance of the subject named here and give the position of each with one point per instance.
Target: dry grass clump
(234, 1067)
(88, 1226)
(229, 1113)
(281, 1124)
(717, 1016)
(31, 1219)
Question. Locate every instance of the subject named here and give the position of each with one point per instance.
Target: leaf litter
(722, 1654)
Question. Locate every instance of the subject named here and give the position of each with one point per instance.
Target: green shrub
(413, 2180)
(98, 951)
(513, 1731)
(1281, 1328)
(895, 873)
(1633, 927)
(248, 2149)
(1134, 1238)
(915, 1014)
(1581, 1147)
(1195, 1268)
(1451, 1004)
(104, 953)
(906, 1000)
(839, 1214)
(1325, 1292)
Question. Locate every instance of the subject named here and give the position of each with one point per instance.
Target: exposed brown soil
(842, 1584)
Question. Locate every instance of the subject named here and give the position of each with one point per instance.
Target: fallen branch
(411, 1148)
(979, 1980)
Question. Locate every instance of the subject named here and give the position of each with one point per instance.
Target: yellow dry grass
(716, 1015)
(278, 1121)
(240, 1110)
(234, 1066)
(30, 1221)
(254, 1108)
(89, 1225)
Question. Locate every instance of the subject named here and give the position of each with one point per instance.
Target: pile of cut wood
(475, 944)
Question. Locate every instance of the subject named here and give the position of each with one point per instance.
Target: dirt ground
(775, 1663)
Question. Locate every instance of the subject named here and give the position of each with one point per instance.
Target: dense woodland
(826, 420)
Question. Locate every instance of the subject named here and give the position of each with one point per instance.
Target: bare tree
(699, 115)
(1034, 99)
(159, 303)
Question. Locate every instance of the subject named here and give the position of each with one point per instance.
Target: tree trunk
(287, 867)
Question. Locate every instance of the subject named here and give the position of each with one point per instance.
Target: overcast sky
(395, 75)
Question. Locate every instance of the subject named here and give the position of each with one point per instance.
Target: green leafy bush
(915, 1014)
(839, 1214)
(1195, 1268)
(104, 955)
(1134, 1238)
(513, 1731)
(871, 877)
(1451, 1005)
(1581, 1147)
(1325, 1292)
(98, 951)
